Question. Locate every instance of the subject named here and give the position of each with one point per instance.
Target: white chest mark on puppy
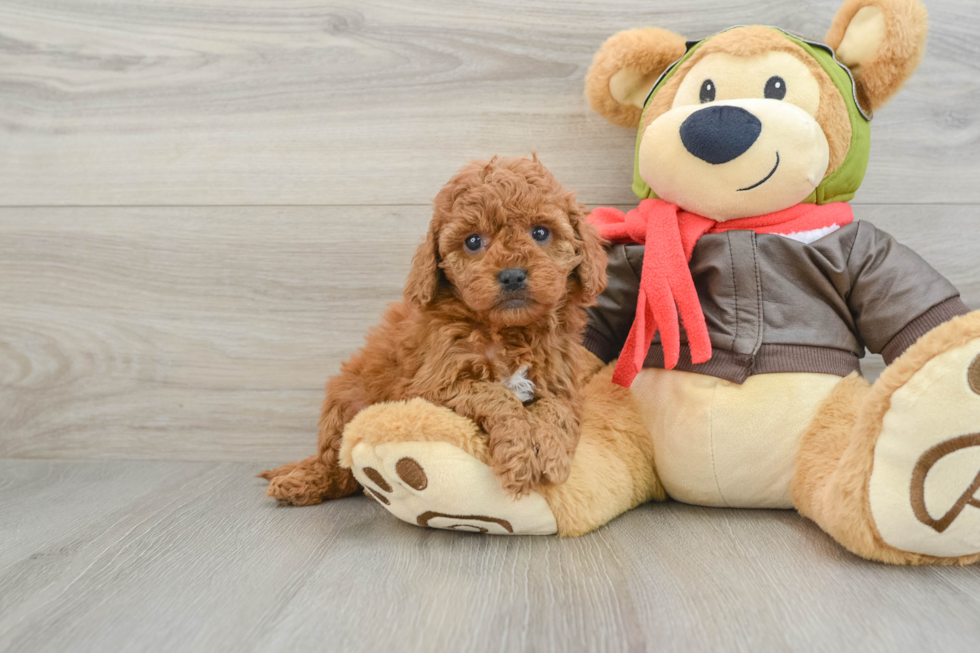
(520, 385)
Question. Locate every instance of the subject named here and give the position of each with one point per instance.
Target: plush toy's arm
(612, 316)
(894, 295)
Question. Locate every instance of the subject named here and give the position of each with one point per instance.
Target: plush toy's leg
(892, 471)
(429, 466)
(613, 469)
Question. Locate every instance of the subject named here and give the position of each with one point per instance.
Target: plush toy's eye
(540, 234)
(473, 243)
(707, 91)
(776, 88)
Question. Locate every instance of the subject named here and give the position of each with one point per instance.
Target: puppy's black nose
(719, 134)
(512, 278)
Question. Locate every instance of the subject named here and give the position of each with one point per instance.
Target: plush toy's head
(754, 120)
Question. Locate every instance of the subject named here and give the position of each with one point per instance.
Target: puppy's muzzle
(512, 279)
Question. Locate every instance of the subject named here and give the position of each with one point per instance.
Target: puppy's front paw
(554, 456)
(515, 457)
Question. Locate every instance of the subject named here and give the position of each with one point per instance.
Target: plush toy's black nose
(719, 134)
(512, 278)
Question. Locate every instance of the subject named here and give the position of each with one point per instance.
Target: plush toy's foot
(924, 488)
(901, 482)
(428, 466)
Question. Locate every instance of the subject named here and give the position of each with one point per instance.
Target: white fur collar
(520, 385)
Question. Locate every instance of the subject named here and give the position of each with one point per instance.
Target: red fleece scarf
(666, 286)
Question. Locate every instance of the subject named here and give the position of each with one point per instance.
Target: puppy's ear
(625, 69)
(591, 270)
(882, 42)
(424, 277)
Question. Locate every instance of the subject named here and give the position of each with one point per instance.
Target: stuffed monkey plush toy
(750, 143)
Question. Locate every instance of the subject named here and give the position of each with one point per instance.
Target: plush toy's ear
(882, 42)
(625, 69)
(424, 277)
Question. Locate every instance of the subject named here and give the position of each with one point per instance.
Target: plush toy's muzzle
(720, 133)
(734, 159)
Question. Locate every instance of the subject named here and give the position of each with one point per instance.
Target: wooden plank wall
(204, 205)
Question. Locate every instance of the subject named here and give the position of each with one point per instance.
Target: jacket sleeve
(895, 296)
(612, 316)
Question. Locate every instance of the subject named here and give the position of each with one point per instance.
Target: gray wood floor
(203, 206)
(168, 556)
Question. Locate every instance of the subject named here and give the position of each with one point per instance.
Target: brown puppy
(490, 327)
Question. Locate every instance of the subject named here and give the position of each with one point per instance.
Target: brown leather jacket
(773, 304)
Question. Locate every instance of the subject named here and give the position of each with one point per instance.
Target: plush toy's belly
(719, 443)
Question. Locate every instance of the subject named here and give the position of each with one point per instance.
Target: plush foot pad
(924, 489)
(437, 484)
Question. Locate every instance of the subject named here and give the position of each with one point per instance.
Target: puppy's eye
(707, 91)
(473, 243)
(540, 234)
(776, 88)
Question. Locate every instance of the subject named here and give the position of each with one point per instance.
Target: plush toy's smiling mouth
(764, 179)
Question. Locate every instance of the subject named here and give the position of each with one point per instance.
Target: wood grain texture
(208, 333)
(234, 102)
(165, 333)
(203, 207)
(135, 556)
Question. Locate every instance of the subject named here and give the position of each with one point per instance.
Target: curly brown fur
(459, 333)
